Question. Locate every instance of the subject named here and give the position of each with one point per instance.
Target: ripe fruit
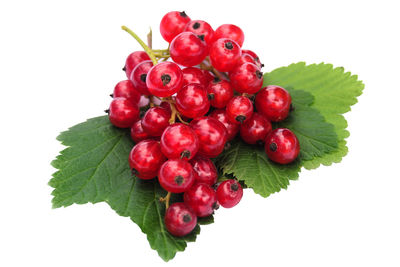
(133, 59)
(164, 79)
(126, 90)
(229, 193)
(204, 170)
(212, 136)
(187, 49)
(231, 128)
(176, 175)
(273, 102)
(123, 113)
(179, 141)
(194, 75)
(146, 158)
(155, 120)
(255, 130)
(192, 101)
(220, 92)
(246, 78)
(179, 219)
(230, 31)
(246, 58)
(173, 24)
(137, 132)
(282, 146)
(139, 75)
(239, 109)
(200, 27)
(201, 198)
(224, 54)
(254, 55)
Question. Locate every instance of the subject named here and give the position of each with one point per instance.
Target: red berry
(123, 113)
(212, 136)
(155, 120)
(231, 128)
(172, 24)
(246, 78)
(204, 170)
(179, 141)
(176, 175)
(200, 27)
(230, 31)
(255, 57)
(179, 219)
(187, 49)
(273, 102)
(166, 106)
(146, 158)
(282, 146)
(137, 132)
(256, 129)
(201, 198)
(164, 79)
(239, 109)
(220, 92)
(133, 59)
(139, 75)
(224, 54)
(246, 58)
(126, 90)
(229, 193)
(209, 76)
(194, 75)
(192, 101)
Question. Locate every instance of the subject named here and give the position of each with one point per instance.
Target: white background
(59, 60)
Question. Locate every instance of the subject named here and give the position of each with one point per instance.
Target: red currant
(200, 27)
(164, 79)
(254, 55)
(146, 158)
(126, 90)
(224, 54)
(155, 120)
(123, 113)
(133, 59)
(179, 219)
(282, 146)
(179, 141)
(139, 76)
(137, 132)
(220, 92)
(188, 49)
(212, 136)
(246, 58)
(230, 31)
(229, 193)
(166, 105)
(256, 129)
(201, 198)
(176, 175)
(204, 170)
(172, 24)
(209, 76)
(192, 101)
(231, 128)
(273, 102)
(246, 78)
(194, 75)
(239, 109)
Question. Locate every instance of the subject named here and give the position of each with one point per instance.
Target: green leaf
(94, 168)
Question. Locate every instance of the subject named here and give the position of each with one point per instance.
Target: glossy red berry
(220, 92)
(188, 49)
(282, 146)
(194, 75)
(229, 193)
(209, 76)
(212, 136)
(246, 78)
(201, 198)
(204, 170)
(273, 102)
(246, 58)
(239, 109)
(224, 54)
(172, 24)
(254, 55)
(133, 59)
(179, 219)
(155, 120)
(192, 101)
(231, 128)
(166, 106)
(146, 159)
(123, 113)
(230, 31)
(139, 76)
(200, 27)
(137, 132)
(179, 141)
(164, 79)
(176, 175)
(126, 90)
(256, 129)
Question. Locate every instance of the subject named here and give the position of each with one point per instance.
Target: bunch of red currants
(197, 103)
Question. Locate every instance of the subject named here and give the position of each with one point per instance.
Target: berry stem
(145, 47)
(150, 39)
(166, 199)
(212, 69)
(173, 113)
(180, 119)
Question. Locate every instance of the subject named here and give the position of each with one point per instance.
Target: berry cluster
(213, 88)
